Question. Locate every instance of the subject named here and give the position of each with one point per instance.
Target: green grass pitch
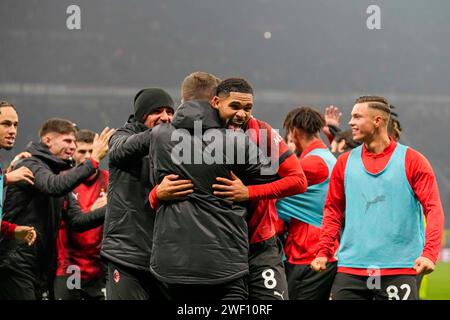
(436, 286)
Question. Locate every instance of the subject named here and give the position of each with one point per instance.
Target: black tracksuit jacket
(128, 228)
(200, 239)
(43, 206)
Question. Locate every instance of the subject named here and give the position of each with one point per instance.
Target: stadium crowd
(206, 202)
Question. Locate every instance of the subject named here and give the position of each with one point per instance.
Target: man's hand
(333, 116)
(424, 265)
(21, 174)
(171, 188)
(26, 234)
(233, 190)
(319, 264)
(100, 145)
(21, 155)
(100, 202)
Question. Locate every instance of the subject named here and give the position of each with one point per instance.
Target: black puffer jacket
(200, 239)
(42, 206)
(128, 229)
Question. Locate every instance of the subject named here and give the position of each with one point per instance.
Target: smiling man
(381, 190)
(128, 228)
(26, 272)
(234, 102)
(9, 121)
(82, 249)
(235, 108)
(200, 242)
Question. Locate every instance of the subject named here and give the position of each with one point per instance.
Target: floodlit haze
(294, 52)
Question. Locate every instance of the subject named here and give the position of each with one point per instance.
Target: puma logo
(374, 201)
(279, 294)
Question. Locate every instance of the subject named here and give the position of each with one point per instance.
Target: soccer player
(381, 191)
(201, 241)
(82, 249)
(200, 86)
(343, 142)
(267, 280)
(267, 274)
(128, 228)
(26, 272)
(9, 121)
(305, 211)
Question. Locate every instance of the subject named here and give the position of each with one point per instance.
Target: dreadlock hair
(307, 119)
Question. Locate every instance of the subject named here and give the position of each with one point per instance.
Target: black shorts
(124, 283)
(351, 287)
(267, 278)
(306, 284)
(16, 287)
(93, 289)
(234, 290)
(419, 279)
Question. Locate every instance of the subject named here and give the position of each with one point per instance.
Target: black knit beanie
(148, 100)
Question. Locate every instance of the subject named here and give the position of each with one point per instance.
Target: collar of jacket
(196, 110)
(41, 151)
(135, 125)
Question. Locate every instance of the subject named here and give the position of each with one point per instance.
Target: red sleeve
(293, 181)
(95, 163)
(333, 216)
(7, 229)
(315, 169)
(153, 198)
(423, 182)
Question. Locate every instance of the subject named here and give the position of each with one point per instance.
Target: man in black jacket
(25, 270)
(128, 228)
(9, 121)
(265, 255)
(200, 244)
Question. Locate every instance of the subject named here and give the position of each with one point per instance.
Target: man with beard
(128, 228)
(9, 121)
(267, 280)
(25, 271)
(233, 102)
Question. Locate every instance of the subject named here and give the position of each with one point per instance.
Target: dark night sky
(320, 52)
